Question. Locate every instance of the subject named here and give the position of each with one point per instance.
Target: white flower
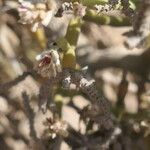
(79, 9)
(49, 64)
(56, 127)
(35, 14)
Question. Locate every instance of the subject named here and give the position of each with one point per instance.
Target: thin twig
(6, 86)
(30, 114)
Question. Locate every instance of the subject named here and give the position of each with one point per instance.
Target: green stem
(105, 19)
(93, 2)
(90, 3)
(73, 31)
(69, 42)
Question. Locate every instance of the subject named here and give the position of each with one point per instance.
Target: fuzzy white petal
(47, 18)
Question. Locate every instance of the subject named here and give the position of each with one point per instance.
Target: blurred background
(118, 55)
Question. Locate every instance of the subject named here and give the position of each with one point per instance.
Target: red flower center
(46, 60)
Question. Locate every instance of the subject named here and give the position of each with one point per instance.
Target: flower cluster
(56, 127)
(36, 14)
(49, 64)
